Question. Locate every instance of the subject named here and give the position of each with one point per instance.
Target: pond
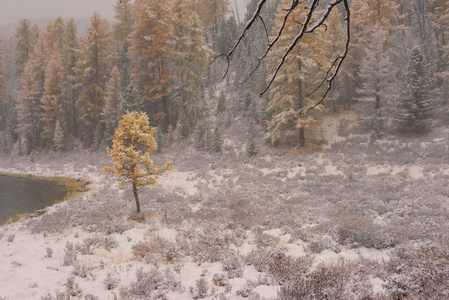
(25, 194)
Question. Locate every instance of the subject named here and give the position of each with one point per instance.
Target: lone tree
(130, 154)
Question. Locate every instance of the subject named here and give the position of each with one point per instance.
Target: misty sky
(15, 10)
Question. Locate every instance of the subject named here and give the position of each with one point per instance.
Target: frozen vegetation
(351, 220)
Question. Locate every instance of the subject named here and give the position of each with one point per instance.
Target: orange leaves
(131, 149)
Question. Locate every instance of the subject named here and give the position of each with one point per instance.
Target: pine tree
(30, 94)
(251, 148)
(199, 135)
(10, 128)
(212, 12)
(59, 138)
(416, 96)
(217, 141)
(132, 100)
(54, 96)
(375, 69)
(252, 112)
(152, 53)
(159, 139)
(194, 61)
(302, 72)
(130, 154)
(70, 56)
(125, 21)
(221, 105)
(56, 35)
(377, 126)
(92, 75)
(2, 85)
(26, 38)
(113, 103)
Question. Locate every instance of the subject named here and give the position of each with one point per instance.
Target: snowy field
(353, 220)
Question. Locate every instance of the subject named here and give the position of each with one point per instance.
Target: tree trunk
(302, 138)
(136, 197)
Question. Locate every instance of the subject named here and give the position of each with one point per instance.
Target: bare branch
(337, 62)
(306, 27)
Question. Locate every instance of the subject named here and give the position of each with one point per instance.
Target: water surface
(25, 195)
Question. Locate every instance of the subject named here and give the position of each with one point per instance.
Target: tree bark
(136, 197)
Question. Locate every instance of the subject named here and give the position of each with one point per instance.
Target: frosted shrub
(326, 282)
(284, 268)
(72, 287)
(421, 273)
(70, 254)
(200, 290)
(150, 285)
(90, 297)
(233, 266)
(157, 249)
(208, 248)
(362, 231)
(81, 270)
(110, 282)
(259, 258)
(220, 280)
(49, 252)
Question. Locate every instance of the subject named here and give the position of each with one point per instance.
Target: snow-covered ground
(340, 221)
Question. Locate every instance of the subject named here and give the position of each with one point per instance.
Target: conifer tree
(10, 126)
(26, 38)
(212, 12)
(70, 55)
(217, 141)
(375, 69)
(301, 74)
(30, 94)
(2, 85)
(152, 53)
(199, 135)
(194, 61)
(113, 103)
(93, 74)
(159, 139)
(132, 100)
(54, 96)
(56, 35)
(416, 96)
(251, 148)
(130, 154)
(59, 137)
(221, 105)
(125, 20)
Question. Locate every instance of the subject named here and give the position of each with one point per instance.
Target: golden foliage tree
(113, 102)
(194, 61)
(212, 12)
(130, 154)
(292, 93)
(152, 52)
(30, 94)
(2, 81)
(54, 95)
(93, 74)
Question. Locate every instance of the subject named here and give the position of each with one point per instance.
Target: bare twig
(306, 27)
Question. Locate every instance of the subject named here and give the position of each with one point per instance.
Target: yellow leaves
(131, 149)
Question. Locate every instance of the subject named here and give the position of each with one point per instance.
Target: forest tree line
(156, 57)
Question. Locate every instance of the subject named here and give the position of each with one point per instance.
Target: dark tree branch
(308, 26)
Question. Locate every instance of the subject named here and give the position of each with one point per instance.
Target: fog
(12, 11)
